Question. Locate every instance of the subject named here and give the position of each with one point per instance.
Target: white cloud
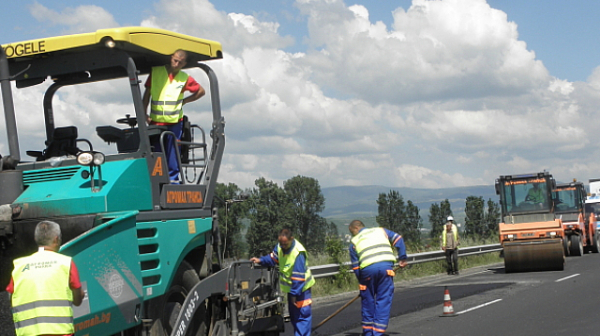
(82, 19)
(421, 177)
(447, 95)
(434, 50)
(236, 31)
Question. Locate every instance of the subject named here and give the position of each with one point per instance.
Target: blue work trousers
(377, 293)
(170, 151)
(301, 317)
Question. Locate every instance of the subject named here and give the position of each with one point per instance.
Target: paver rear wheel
(167, 309)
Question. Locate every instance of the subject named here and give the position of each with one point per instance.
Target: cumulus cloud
(434, 50)
(82, 19)
(422, 177)
(446, 95)
(236, 31)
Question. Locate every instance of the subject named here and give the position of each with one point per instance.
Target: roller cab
(579, 226)
(531, 234)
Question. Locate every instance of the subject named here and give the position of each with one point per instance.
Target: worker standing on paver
(372, 259)
(164, 94)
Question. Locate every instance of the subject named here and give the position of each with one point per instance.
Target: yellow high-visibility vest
(373, 246)
(286, 268)
(42, 299)
(454, 231)
(166, 104)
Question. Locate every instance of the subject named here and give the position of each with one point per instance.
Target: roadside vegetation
(345, 281)
(250, 220)
(348, 283)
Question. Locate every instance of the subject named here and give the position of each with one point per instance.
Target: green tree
(445, 209)
(436, 220)
(336, 249)
(230, 214)
(332, 230)
(492, 218)
(270, 211)
(307, 202)
(438, 214)
(391, 211)
(414, 223)
(474, 221)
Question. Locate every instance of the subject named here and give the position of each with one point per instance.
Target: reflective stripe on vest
(286, 268)
(42, 299)
(167, 96)
(372, 246)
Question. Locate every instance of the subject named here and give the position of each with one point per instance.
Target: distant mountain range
(343, 204)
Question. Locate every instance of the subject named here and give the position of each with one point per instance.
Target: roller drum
(536, 255)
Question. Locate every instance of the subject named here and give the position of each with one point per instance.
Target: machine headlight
(552, 234)
(85, 158)
(98, 158)
(90, 158)
(109, 43)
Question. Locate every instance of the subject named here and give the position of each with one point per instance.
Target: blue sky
(395, 93)
(562, 34)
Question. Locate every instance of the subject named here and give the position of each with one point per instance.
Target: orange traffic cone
(448, 309)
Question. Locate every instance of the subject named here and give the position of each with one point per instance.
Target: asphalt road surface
(486, 301)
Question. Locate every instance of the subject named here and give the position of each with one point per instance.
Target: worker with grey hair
(44, 287)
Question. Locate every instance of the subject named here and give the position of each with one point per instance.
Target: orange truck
(578, 223)
(530, 233)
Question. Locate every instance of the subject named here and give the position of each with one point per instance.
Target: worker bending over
(372, 260)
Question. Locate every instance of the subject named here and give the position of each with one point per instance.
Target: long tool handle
(336, 312)
(343, 307)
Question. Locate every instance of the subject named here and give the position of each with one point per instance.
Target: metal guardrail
(323, 271)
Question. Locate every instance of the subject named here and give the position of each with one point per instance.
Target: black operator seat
(64, 142)
(127, 139)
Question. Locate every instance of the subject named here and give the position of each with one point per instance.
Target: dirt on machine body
(530, 232)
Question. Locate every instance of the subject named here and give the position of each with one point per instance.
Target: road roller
(578, 222)
(531, 235)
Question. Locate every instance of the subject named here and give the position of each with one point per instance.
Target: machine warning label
(179, 197)
(23, 49)
(182, 196)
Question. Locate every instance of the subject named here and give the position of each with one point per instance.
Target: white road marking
(477, 307)
(569, 277)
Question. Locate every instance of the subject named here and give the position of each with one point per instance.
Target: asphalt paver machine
(146, 249)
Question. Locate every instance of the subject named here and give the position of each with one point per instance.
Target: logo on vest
(37, 265)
